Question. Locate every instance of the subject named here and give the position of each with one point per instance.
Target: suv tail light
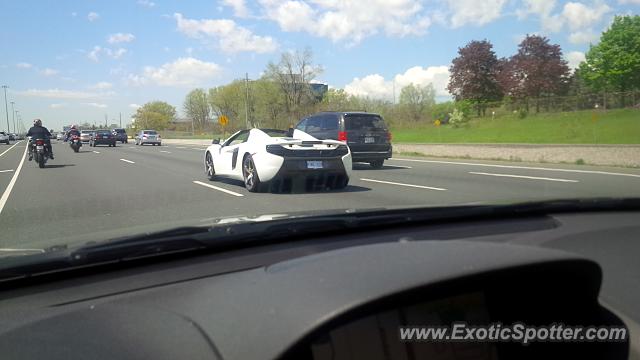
(342, 136)
(389, 135)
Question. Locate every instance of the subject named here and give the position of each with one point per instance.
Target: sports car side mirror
(216, 141)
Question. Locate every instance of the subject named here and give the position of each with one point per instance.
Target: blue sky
(77, 61)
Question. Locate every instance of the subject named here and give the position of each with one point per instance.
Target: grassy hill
(620, 126)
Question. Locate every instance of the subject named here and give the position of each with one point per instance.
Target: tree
(293, 73)
(154, 115)
(474, 75)
(417, 100)
(196, 107)
(268, 104)
(228, 100)
(538, 69)
(614, 63)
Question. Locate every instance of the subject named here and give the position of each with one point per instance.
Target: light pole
(13, 113)
(6, 107)
(18, 123)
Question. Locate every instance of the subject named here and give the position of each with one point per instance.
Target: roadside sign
(223, 120)
(437, 122)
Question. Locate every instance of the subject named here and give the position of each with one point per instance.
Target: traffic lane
(357, 195)
(9, 161)
(80, 196)
(528, 180)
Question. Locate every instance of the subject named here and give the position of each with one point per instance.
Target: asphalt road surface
(102, 193)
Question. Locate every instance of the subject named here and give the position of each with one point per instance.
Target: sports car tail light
(276, 150)
(342, 136)
(341, 150)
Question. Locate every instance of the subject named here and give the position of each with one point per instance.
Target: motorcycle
(40, 152)
(75, 143)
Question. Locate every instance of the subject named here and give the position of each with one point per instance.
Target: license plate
(314, 164)
(369, 140)
(39, 147)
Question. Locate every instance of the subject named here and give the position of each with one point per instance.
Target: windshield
(394, 103)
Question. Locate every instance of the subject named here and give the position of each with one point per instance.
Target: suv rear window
(119, 131)
(103, 132)
(356, 122)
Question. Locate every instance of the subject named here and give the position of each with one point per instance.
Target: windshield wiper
(245, 234)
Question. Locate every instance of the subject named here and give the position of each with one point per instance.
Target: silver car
(148, 137)
(85, 136)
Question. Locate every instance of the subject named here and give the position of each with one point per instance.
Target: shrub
(458, 119)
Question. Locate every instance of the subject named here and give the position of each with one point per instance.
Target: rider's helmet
(37, 122)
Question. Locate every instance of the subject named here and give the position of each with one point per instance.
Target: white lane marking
(20, 250)
(524, 177)
(165, 151)
(217, 188)
(522, 167)
(399, 166)
(127, 161)
(7, 191)
(96, 152)
(3, 171)
(4, 152)
(180, 147)
(402, 184)
(199, 149)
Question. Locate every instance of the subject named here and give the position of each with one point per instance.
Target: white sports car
(268, 159)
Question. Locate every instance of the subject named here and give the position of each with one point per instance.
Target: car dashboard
(343, 296)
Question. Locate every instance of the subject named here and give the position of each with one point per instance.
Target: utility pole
(6, 107)
(13, 113)
(106, 120)
(246, 100)
(120, 119)
(18, 123)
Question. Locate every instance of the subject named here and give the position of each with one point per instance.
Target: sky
(87, 61)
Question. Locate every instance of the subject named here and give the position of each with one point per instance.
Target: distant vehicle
(60, 136)
(4, 137)
(121, 135)
(102, 137)
(85, 136)
(12, 136)
(366, 134)
(148, 137)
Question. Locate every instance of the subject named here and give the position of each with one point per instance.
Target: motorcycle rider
(38, 131)
(72, 131)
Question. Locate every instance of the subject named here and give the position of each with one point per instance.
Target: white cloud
(74, 14)
(49, 72)
(146, 3)
(97, 105)
(377, 87)
(637, 2)
(98, 51)
(102, 85)
(536, 7)
(475, 12)
(93, 16)
(58, 106)
(183, 72)
(349, 20)
(24, 65)
(580, 16)
(61, 94)
(134, 106)
(120, 38)
(574, 58)
(231, 38)
(239, 7)
(583, 37)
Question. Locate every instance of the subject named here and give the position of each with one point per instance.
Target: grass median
(620, 126)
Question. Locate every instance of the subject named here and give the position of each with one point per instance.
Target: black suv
(120, 135)
(366, 134)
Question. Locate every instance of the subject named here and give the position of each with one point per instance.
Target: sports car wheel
(209, 170)
(251, 180)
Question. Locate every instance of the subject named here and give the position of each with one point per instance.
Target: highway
(103, 193)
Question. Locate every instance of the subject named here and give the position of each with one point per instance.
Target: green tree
(196, 107)
(228, 100)
(614, 63)
(417, 100)
(268, 104)
(155, 115)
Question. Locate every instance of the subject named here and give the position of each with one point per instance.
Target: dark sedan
(102, 137)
